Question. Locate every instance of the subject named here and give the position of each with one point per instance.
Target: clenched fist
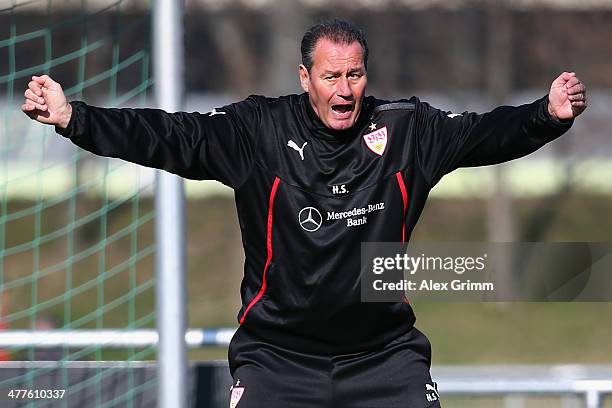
(46, 103)
(567, 97)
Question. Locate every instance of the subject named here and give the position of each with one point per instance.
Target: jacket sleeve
(218, 145)
(448, 141)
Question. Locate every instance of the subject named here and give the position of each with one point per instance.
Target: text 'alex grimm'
(429, 285)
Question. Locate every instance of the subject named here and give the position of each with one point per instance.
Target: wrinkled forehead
(329, 55)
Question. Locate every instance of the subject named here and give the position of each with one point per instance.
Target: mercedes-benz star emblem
(310, 219)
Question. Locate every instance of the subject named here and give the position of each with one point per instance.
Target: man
(303, 168)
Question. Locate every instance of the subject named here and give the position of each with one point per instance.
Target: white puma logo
(432, 388)
(295, 147)
(216, 112)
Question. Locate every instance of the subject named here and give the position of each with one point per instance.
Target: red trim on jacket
(262, 289)
(402, 186)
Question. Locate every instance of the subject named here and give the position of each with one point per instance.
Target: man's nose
(344, 88)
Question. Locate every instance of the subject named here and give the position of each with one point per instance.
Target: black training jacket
(307, 196)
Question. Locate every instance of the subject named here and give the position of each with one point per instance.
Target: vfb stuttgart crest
(377, 140)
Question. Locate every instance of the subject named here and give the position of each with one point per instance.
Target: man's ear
(304, 78)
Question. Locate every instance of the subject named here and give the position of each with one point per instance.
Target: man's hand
(567, 97)
(46, 103)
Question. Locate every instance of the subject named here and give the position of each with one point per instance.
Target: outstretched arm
(219, 145)
(448, 141)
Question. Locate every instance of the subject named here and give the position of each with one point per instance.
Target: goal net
(76, 231)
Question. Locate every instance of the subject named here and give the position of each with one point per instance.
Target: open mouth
(342, 108)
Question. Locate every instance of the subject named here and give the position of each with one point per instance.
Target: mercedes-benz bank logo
(310, 219)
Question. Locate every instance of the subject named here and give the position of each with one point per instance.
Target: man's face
(336, 82)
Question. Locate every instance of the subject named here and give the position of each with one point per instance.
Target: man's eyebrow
(350, 71)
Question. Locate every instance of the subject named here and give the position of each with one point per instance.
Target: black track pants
(269, 376)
